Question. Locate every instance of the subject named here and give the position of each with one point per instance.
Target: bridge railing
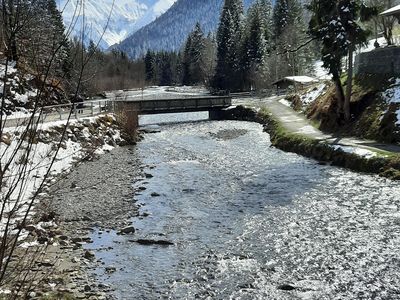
(115, 105)
(193, 103)
(62, 112)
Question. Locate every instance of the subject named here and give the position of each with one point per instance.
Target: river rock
(89, 255)
(30, 228)
(87, 240)
(286, 287)
(154, 194)
(148, 242)
(6, 139)
(76, 240)
(127, 230)
(42, 239)
(63, 243)
(110, 269)
(87, 288)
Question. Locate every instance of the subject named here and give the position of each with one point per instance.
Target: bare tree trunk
(339, 94)
(387, 26)
(349, 85)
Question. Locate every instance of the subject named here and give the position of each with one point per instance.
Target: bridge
(175, 105)
(128, 110)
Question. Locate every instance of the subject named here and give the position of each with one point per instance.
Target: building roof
(298, 79)
(394, 11)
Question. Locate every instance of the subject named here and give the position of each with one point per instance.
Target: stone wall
(385, 61)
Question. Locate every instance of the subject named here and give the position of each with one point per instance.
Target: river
(249, 221)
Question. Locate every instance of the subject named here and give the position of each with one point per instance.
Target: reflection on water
(251, 222)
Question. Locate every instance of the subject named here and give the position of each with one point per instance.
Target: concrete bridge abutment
(216, 114)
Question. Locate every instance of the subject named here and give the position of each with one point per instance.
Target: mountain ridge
(126, 17)
(169, 31)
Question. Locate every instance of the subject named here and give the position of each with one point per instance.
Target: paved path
(297, 123)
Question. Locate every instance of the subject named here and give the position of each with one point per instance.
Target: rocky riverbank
(96, 196)
(95, 193)
(384, 165)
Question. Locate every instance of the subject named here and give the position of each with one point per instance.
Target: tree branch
(298, 48)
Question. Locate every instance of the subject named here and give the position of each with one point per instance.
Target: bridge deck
(191, 104)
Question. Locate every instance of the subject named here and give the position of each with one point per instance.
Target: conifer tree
(193, 62)
(253, 45)
(265, 11)
(289, 32)
(186, 78)
(44, 43)
(197, 55)
(149, 66)
(166, 73)
(228, 75)
(336, 24)
(286, 14)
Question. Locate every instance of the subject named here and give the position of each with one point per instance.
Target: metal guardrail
(81, 109)
(93, 108)
(62, 112)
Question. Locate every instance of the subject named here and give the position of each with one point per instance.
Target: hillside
(169, 31)
(375, 108)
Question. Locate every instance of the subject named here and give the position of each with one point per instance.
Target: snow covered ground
(371, 45)
(392, 96)
(16, 91)
(309, 97)
(313, 94)
(34, 163)
(356, 150)
(320, 72)
(160, 92)
(285, 102)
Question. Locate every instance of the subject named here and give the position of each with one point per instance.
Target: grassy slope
(372, 116)
(386, 166)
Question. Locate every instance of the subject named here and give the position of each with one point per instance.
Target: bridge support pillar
(216, 114)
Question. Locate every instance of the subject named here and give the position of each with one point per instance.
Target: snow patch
(392, 96)
(308, 129)
(320, 72)
(301, 79)
(116, 19)
(313, 94)
(355, 150)
(36, 164)
(285, 102)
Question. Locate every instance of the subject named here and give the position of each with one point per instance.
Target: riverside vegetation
(384, 165)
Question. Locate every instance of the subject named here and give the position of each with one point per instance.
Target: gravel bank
(96, 195)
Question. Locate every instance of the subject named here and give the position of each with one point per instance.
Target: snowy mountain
(122, 18)
(169, 31)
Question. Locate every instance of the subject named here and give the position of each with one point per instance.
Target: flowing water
(249, 221)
